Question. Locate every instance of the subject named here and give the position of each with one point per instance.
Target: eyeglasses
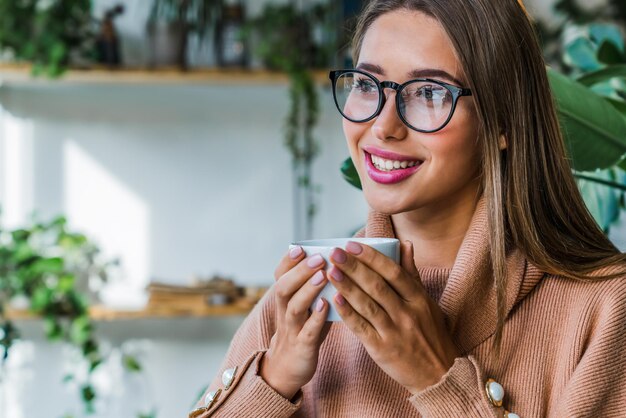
(423, 104)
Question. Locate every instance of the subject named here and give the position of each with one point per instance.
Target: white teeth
(389, 165)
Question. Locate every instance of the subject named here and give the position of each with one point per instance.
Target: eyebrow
(421, 73)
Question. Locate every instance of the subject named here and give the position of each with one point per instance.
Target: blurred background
(157, 157)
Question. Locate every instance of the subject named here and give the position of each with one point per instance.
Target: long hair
(532, 198)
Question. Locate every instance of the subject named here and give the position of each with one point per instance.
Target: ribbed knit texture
(563, 348)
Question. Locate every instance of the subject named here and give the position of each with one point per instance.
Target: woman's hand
(386, 307)
(292, 357)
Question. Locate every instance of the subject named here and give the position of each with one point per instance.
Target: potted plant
(46, 33)
(44, 268)
(169, 26)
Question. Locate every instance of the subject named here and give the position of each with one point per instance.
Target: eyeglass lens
(424, 105)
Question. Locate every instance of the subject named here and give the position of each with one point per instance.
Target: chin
(387, 203)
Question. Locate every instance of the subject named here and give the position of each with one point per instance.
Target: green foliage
(285, 42)
(45, 263)
(571, 13)
(595, 55)
(46, 32)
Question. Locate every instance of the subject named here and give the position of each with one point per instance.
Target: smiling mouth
(385, 165)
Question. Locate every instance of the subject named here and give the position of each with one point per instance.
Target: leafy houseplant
(571, 11)
(171, 22)
(286, 43)
(45, 265)
(591, 105)
(596, 58)
(47, 33)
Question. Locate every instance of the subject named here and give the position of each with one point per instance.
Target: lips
(390, 171)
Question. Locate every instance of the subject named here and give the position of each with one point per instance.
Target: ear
(502, 142)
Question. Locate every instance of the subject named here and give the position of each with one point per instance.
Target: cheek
(459, 150)
(353, 133)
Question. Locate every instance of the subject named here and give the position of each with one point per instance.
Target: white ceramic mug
(388, 246)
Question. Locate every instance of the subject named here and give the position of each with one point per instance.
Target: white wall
(176, 180)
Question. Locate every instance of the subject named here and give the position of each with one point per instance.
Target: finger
(365, 305)
(314, 330)
(404, 284)
(289, 260)
(297, 311)
(372, 283)
(407, 255)
(362, 328)
(291, 281)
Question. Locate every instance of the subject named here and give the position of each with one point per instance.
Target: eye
(432, 92)
(364, 85)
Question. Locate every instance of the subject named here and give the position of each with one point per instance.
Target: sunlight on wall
(16, 163)
(103, 207)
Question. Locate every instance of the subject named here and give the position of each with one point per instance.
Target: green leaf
(593, 129)
(348, 170)
(601, 200)
(52, 266)
(80, 330)
(581, 53)
(131, 363)
(42, 297)
(602, 32)
(88, 393)
(66, 283)
(603, 75)
(608, 53)
(620, 105)
(53, 329)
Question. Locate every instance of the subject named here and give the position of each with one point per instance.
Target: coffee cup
(387, 246)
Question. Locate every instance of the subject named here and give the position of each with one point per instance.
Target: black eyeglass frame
(455, 91)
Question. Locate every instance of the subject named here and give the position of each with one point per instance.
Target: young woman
(508, 296)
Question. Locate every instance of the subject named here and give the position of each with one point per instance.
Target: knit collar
(468, 297)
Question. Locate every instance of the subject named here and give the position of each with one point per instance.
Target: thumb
(406, 257)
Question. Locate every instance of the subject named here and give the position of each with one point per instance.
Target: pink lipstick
(393, 176)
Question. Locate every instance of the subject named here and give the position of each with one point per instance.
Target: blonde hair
(532, 198)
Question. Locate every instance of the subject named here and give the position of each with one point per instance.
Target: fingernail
(315, 261)
(354, 248)
(335, 273)
(319, 305)
(295, 252)
(317, 278)
(338, 256)
(340, 299)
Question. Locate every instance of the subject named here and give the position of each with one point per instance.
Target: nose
(388, 126)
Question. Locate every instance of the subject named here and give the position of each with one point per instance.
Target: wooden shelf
(103, 313)
(21, 74)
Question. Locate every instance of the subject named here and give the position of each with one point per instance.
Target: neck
(436, 232)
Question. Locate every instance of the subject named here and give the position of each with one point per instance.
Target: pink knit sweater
(563, 350)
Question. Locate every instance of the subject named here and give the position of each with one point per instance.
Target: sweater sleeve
(460, 393)
(248, 395)
(597, 386)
